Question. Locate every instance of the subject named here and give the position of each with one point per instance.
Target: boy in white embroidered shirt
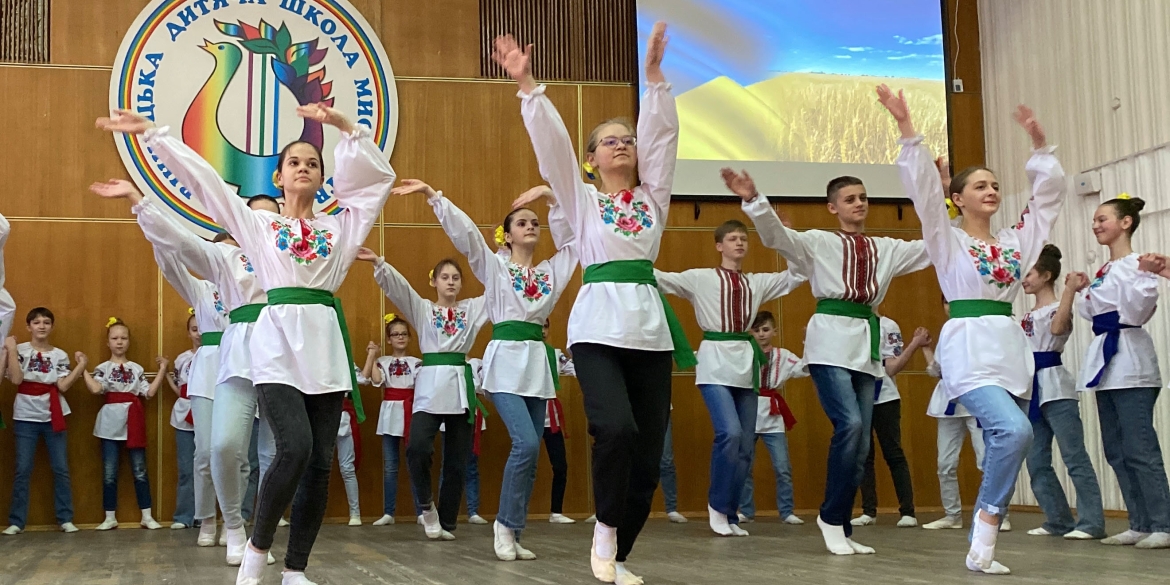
(42, 375)
(728, 375)
(123, 420)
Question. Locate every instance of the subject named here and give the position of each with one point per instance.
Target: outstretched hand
(1026, 118)
(740, 184)
(81, 359)
(1076, 281)
(124, 121)
(518, 63)
(162, 363)
(532, 195)
(897, 107)
(655, 51)
(409, 186)
(372, 347)
(1152, 263)
(921, 337)
(366, 255)
(117, 189)
(944, 172)
(326, 115)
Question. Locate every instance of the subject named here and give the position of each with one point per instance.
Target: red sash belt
(136, 419)
(476, 433)
(779, 407)
(347, 406)
(406, 396)
(56, 414)
(556, 416)
(183, 394)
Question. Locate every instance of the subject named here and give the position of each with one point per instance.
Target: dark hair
(262, 198)
(763, 318)
(397, 321)
(189, 319)
(729, 226)
(39, 312)
(839, 183)
(508, 222)
(944, 300)
(1049, 262)
(446, 262)
(221, 236)
(1131, 208)
(284, 155)
(117, 323)
(595, 139)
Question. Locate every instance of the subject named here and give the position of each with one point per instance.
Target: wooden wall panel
(431, 39)
(88, 33)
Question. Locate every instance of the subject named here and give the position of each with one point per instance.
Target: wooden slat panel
(611, 41)
(24, 31)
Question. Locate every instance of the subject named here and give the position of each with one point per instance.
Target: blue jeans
(249, 502)
(524, 417)
(470, 480)
(847, 399)
(1007, 435)
(185, 492)
(110, 453)
(1062, 419)
(669, 478)
(391, 454)
(777, 444)
(733, 416)
(26, 435)
(1132, 450)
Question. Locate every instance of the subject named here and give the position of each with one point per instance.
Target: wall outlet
(957, 85)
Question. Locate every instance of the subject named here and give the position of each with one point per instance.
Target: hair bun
(1138, 203)
(1051, 250)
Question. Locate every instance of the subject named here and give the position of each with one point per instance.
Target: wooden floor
(666, 554)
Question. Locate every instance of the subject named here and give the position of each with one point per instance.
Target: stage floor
(666, 554)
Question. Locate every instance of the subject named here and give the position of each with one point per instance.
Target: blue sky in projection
(753, 40)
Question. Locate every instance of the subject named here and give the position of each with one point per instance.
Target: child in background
(184, 425)
(349, 451)
(395, 374)
(123, 421)
(42, 375)
(774, 418)
(554, 441)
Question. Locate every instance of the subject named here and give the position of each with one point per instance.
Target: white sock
(295, 578)
(605, 540)
(835, 539)
(860, 549)
(146, 515)
(110, 516)
(994, 569)
(983, 539)
(623, 576)
(1129, 537)
(253, 564)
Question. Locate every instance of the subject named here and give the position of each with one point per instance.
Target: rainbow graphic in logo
(226, 77)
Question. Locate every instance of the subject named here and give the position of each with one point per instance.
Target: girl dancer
(519, 369)
(184, 425)
(621, 332)
(554, 441)
(444, 392)
(1121, 366)
(1055, 411)
(301, 363)
(122, 421)
(982, 350)
(221, 458)
(395, 374)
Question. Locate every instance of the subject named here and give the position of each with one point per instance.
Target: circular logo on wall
(227, 76)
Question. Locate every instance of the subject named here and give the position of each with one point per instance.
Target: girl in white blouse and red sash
(184, 424)
(122, 421)
(985, 358)
(395, 374)
(621, 331)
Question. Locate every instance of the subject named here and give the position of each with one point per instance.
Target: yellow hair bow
(275, 174)
(1123, 196)
(590, 171)
(389, 317)
(111, 322)
(431, 274)
(190, 310)
(500, 241)
(952, 209)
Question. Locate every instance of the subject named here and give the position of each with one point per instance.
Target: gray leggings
(304, 427)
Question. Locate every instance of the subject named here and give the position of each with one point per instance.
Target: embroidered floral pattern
(894, 340)
(448, 320)
(1027, 210)
(1001, 264)
(121, 375)
(532, 284)
(219, 308)
(1099, 279)
(305, 243)
(1029, 325)
(247, 264)
(399, 368)
(629, 217)
(39, 363)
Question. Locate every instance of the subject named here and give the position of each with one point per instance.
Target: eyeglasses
(399, 335)
(613, 141)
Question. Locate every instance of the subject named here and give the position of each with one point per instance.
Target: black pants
(555, 444)
(304, 427)
(627, 402)
(887, 425)
(456, 448)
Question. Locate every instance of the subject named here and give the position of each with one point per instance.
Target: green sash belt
(246, 313)
(642, 272)
(211, 337)
(522, 331)
(452, 358)
(759, 358)
(843, 308)
(312, 296)
(970, 308)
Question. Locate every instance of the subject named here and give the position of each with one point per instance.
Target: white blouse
(45, 368)
(1056, 383)
(210, 315)
(1120, 286)
(396, 373)
(726, 301)
(782, 366)
(182, 405)
(892, 345)
(514, 293)
(940, 400)
(565, 367)
(990, 350)
(437, 389)
(851, 267)
(128, 377)
(223, 264)
(620, 226)
(7, 305)
(296, 345)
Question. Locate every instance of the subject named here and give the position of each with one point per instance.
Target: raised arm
(459, 227)
(679, 284)
(370, 370)
(91, 382)
(362, 180)
(12, 360)
(414, 309)
(1062, 319)
(896, 361)
(657, 125)
(175, 273)
(1078, 281)
(773, 232)
(64, 383)
(773, 285)
(1048, 189)
(156, 383)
